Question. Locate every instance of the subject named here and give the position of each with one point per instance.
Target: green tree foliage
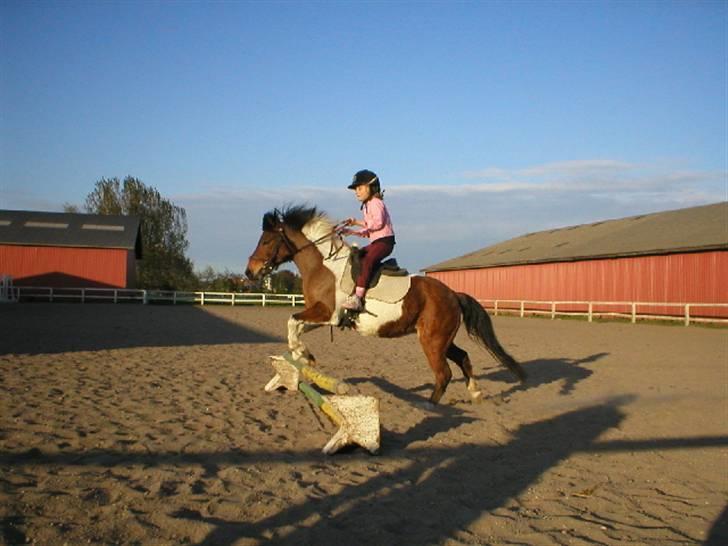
(286, 282)
(281, 282)
(163, 230)
(227, 281)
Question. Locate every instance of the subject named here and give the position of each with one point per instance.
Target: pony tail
(480, 329)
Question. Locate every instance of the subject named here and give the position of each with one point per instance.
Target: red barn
(69, 250)
(677, 256)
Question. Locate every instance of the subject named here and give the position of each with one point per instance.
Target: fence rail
(120, 295)
(685, 312)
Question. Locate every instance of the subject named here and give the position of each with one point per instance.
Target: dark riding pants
(372, 256)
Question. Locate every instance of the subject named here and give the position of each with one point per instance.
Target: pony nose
(249, 274)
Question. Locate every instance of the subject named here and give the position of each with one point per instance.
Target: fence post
(116, 296)
(523, 308)
(83, 295)
(495, 307)
(232, 300)
(263, 300)
(590, 311)
(687, 314)
(553, 310)
(145, 298)
(634, 312)
(50, 294)
(202, 298)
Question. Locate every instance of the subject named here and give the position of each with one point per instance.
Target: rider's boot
(353, 303)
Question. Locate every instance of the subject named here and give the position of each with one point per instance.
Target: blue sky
(484, 120)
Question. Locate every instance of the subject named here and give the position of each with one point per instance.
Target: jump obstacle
(356, 416)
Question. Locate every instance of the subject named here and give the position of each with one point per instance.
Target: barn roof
(685, 230)
(30, 228)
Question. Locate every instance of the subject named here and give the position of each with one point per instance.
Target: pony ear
(271, 220)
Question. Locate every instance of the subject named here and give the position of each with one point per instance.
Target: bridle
(271, 264)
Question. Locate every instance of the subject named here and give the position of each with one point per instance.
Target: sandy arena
(132, 424)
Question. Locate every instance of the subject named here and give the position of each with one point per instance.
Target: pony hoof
(476, 397)
(300, 355)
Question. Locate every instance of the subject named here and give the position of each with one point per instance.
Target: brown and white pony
(431, 309)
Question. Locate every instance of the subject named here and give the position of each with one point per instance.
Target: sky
(484, 120)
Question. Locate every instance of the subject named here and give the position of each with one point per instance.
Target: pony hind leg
(442, 372)
(437, 324)
(434, 345)
(461, 358)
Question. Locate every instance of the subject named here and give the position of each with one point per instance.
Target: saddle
(388, 267)
(389, 282)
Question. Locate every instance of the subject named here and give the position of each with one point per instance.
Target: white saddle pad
(388, 289)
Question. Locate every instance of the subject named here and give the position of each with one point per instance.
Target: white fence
(8, 292)
(119, 295)
(685, 312)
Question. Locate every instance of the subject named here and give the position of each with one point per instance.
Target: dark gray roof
(685, 230)
(29, 228)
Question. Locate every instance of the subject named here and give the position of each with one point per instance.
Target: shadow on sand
(540, 372)
(468, 481)
(440, 418)
(37, 328)
(545, 371)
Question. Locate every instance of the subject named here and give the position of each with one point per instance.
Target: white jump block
(356, 416)
(360, 426)
(290, 371)
(287, 375)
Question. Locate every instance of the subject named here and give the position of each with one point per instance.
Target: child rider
(377, 227)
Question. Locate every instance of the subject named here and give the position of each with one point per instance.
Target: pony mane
(310, 220)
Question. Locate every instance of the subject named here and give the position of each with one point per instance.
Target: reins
(270, 264)
(329, 235)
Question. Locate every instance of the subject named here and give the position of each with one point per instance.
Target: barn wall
(131, 269)
(676, 278)
(64, 267)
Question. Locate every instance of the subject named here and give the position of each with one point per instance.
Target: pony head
(275, 246)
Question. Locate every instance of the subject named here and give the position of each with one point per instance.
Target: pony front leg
(298, 348)
(305, 321)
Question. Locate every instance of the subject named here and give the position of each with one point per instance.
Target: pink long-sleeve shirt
(377, 223)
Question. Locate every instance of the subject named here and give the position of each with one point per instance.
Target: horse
(433, 311)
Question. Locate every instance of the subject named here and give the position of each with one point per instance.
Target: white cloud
(577, 168)
(561, 169)
(440, 221)
(598, 177)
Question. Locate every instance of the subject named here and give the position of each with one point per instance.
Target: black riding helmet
(366, 177)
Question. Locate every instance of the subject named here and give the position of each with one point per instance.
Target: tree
(286, 282)
(163, 230)
(227, 281)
